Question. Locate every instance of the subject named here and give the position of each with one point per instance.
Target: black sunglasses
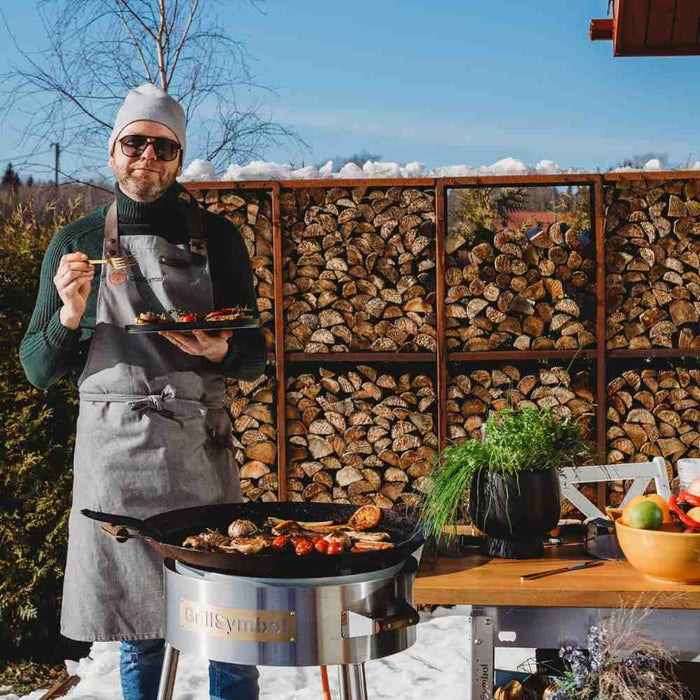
(134, 145)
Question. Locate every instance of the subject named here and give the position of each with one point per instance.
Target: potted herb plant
(508, 482)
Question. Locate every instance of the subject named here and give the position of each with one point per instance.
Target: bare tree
(100, 49)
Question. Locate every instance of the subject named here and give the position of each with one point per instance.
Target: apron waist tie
(155, 403)
(152, 402)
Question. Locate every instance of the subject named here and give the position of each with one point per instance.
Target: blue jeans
(140, 664)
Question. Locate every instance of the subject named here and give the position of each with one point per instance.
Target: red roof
(517, 218)
(651, 28)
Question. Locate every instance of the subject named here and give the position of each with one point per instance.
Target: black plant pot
(515, 512)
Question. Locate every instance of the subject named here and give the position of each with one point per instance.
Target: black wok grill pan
(165, 533)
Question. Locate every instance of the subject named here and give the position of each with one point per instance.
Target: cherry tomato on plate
(321, 545)
(280, 542)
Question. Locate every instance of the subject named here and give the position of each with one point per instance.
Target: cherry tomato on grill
(280, 542)
(334, 548)
(302, 546)
(188, 318)
(321, 545)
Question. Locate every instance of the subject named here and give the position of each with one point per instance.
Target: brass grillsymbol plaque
(236, 623)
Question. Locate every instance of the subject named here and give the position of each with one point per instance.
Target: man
(152, 433)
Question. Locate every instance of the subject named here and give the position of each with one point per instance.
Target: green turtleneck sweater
(49, 350)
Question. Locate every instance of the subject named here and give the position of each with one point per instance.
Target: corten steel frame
(441, 359)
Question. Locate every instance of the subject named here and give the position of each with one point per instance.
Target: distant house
(516, 219)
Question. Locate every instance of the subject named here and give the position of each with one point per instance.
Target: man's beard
(145, 190)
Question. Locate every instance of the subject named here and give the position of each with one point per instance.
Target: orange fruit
(655, 498)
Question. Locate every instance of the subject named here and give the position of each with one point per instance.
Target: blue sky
(448, 82)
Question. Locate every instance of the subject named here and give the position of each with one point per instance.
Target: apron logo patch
(116, 277)
(142, 279)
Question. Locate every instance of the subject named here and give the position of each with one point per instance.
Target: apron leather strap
(198, 236)
(111, 232)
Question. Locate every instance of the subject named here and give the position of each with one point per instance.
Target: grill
(338, 620)
(255, 609)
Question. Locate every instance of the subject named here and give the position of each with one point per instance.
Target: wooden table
(558, 609)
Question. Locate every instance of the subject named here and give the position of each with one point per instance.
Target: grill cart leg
(353, 685)
(167, 675)
(481, 639)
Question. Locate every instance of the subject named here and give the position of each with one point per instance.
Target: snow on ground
(203, 171)
(435, 666)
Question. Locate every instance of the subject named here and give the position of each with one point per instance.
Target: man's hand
(73, 279)
(213, 347)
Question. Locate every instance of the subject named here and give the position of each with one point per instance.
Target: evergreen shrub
(36, 445)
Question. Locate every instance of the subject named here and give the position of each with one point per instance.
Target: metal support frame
(353, 685)
(481, 647)
(168, 673)
(551, 628)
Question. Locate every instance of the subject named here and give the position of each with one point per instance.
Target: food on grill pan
(325, 537)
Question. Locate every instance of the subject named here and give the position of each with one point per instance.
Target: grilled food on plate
(275, 534)
(230, 313)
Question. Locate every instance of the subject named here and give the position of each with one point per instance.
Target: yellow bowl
(661, 555)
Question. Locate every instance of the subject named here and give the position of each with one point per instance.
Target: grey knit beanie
(150, 103)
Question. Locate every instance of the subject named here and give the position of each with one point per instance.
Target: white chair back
(641, 474)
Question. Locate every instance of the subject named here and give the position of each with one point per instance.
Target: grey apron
(152, 435)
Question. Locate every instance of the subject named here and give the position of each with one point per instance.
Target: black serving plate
(235, 324)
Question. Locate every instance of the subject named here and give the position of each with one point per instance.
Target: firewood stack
(251, 405)
(360, 436)
(653, 264)
(251, 212)
(652, 413)
(475, 395)
(359, 270)
(514, 292)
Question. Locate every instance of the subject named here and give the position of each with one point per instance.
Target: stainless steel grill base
(343, 620)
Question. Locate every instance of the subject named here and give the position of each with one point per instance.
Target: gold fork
(118, 263)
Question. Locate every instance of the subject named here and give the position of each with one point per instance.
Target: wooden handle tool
(550, 572)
